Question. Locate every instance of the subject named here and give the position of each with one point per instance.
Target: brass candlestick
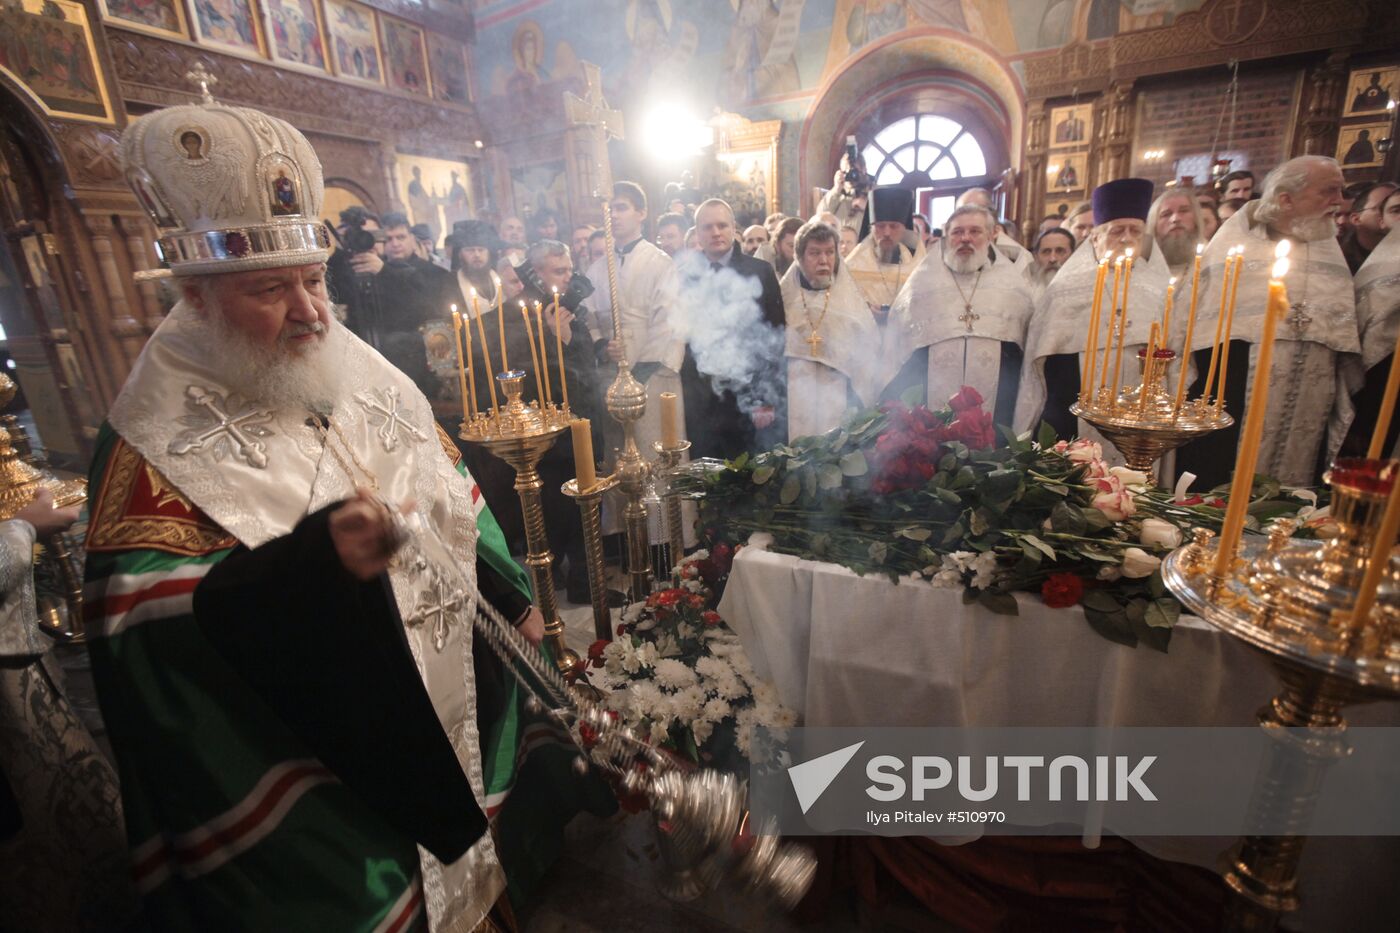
(1292, 601)
(1143, 429)
(668, 459)
(520, 434)
(590, 504)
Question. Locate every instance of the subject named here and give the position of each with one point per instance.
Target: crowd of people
(774, 330)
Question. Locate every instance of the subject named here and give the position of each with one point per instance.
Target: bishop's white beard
(1316, 228)
(279, 377)
(964, 265)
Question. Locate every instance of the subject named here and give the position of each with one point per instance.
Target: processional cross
(205, 80)
(593, 111)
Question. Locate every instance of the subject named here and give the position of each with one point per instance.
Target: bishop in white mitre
(1059, 329)
(832, 340)
(1299, 204)
(961, 320)
(883, 261)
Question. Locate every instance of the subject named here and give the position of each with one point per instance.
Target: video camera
(855, 180)
(356, 238)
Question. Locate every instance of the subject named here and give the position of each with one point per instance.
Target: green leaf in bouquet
(838, 440)
(1032, 556)
(821, 543)
(948, 463)
(1101, 601)
(915, 533)
(828, 476)
(763, 474)
(914, 396)
(809, 483)
(978, 523)
(878, 550)
(854, 464)
(1155, 587)
(998, 601)
(954, 534)
(1112, 625)
(1039, 545)
(947, 495)
(792, 488)
(965, 477)
(1162, 613)
(1094, 520)
(739, 462)
(1068, 519)
(1046, 437)
(999, 484)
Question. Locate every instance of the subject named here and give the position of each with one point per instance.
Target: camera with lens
(856, 181)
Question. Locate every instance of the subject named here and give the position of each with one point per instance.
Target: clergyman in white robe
(840, 371)
(971, 325)
(1311, 342)
(1363, 378)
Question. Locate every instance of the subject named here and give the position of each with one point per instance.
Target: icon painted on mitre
(192, 145)
(284, 193)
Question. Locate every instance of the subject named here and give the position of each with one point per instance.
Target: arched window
(928, 153)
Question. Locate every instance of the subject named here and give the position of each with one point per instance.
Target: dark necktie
(715, 267)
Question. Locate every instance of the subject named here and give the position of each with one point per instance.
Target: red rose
(621, 629)
(711, 618)
(595, 650)
(1061, 590)
(967, 398)
(587, 734)
(1192, 500)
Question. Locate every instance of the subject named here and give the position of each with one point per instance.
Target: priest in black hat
(1058, 330)
(474, 248)
(885, 259)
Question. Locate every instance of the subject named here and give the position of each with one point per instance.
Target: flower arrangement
(679, 675)
(909, 492)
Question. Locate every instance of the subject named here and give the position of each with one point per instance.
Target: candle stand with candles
(1296, 603)
(520, 434)
(1143, 421)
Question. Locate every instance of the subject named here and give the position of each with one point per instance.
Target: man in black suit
(734, 369)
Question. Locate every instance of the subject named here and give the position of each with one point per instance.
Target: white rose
(1129, 477)
(1158, 533)
(1138, 563)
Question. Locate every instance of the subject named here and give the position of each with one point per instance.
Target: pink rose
(1112, 499)
(1080, 451)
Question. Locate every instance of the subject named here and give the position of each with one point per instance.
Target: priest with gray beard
(1364, 377)
(1057, 334)
(961, 319)
(832, 340)
(1175, 226)
(1300, 202)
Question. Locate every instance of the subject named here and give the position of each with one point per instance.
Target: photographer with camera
(850, 191)
(392, 297)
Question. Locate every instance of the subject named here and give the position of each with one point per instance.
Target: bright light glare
(670, 133)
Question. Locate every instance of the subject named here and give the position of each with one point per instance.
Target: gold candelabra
(668, 459)
(590, 504)
(1297, 603)
(1146, 421)
(520, 434)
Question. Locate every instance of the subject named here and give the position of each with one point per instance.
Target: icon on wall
(1071, 126)
(1356, 145)
(1369, 90)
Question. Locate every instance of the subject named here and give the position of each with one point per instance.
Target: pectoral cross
(814, 340)
(217, 429)
(967, 317)
(198, 75)
(437, 604)
(385, 410)
(1298, 318)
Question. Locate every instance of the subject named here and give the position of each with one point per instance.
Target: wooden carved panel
(91, 154)
(359, 160)
(153, 71)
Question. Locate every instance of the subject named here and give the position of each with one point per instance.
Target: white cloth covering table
(846, 650)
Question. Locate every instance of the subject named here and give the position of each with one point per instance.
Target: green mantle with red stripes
(232, 823)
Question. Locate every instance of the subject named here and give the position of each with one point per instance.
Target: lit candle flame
(1171, 281)
(1282, 249)
(1200, 248)
(1128, 253)
(554, 289)
(473, 294)
(454, 307)
(1280, 268)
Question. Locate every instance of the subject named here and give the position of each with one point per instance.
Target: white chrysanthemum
(633, 612)
(667, 646)
(728, 687)
(645, 624)
(646, 655)
(959, 560)
(716, 710)
(710, 667)
(950, 578)
(660, 732)
(674, 675)
(686, 704)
